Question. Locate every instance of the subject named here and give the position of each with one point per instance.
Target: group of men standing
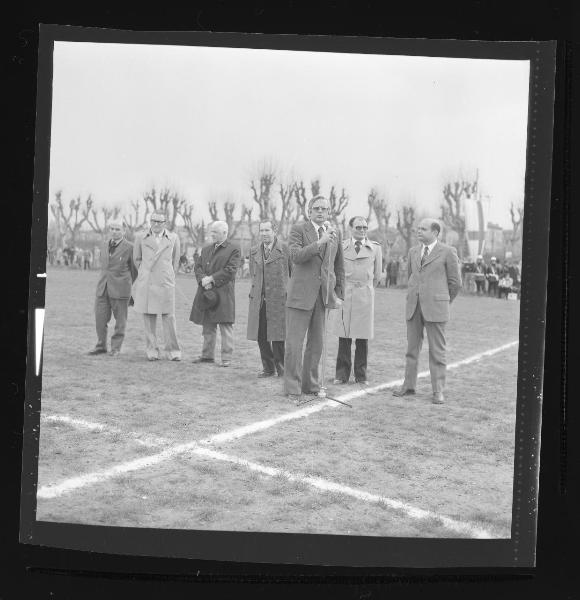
(294, 288)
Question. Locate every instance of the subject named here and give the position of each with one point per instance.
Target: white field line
(144, 440)
(337, 488)
(55, 490)
(239, 432)
(75, 483)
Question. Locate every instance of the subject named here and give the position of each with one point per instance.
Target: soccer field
(164, 444)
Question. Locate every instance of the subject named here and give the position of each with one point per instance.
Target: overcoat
(435, 283)
(118, 271)
(276, 269)
(310, 269)
(154, 289)
(222, 264)
(355, 319)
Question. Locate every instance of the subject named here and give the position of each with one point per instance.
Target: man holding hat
(214, 302)
(156, 254)
(114, 289)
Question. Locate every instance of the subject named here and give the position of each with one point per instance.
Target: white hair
(222, 225)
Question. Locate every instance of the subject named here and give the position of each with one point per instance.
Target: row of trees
(283, 202)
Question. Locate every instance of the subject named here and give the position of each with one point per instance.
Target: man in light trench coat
(270, 268)
(156, 254)
(363, 260)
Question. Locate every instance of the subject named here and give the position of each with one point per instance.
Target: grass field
(114, 431)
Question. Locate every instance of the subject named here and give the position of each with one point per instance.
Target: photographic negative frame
(335, 550)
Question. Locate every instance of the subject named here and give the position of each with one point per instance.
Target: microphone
(328, 226)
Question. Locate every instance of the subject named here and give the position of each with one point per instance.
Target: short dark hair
(353, 219)
(315, 198)
(272, 224)
(436, 227)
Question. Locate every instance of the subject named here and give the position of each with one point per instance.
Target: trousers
(301, 373)
(271, 353)
(172, 346)
(437, 358)
(104, 308)
(209, 332)
(344, 362)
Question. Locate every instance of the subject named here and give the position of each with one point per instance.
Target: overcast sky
(201, 120)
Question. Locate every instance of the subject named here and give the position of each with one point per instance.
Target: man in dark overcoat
(216, 271)
(118, 272)
(316, 284)
(269, 270)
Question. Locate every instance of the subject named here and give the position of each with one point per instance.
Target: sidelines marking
(337, 488)
(144, 440)
(74, 483)
(55, 490)
(69, 485)
(239, 432)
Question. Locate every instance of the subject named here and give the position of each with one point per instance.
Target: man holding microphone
(316, 283)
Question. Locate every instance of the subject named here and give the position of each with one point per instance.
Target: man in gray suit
(118, 272)
(316, 283)
(434, 281)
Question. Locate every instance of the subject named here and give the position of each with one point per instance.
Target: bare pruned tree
(406, 225)
(287, 204)
(262, 192)
(99, 221)
(196, 231)
(301, 202)
(337, 205)
(138, 218)
(167, 200)
(517, 216)
(379, 209)
(70, 221)
(453, 211)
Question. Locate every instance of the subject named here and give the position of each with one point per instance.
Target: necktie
(425, 253)
(266, 251)
(357, 247)
(112, 247)
(320, 232)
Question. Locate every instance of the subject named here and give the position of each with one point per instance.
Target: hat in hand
(209, 299)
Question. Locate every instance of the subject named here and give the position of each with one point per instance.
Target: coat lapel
(432, 255)
(275, 252)
(417, 256)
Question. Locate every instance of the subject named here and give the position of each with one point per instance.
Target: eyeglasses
(361, 228)
(155, 221)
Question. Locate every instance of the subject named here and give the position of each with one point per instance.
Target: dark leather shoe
(339, 382)
(265, 374)
(438, 398)
(96, 351)
(295, 398)
(202, 360)
(311, 393)
(399, 392)
(114, 353)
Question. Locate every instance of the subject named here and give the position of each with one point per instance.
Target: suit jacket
(434, 284)
(118, 271)
(269, 281)
(154, 290)
(222, 265)
(314, 268)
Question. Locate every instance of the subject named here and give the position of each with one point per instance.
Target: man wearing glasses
(156, 254)
(363, 260)
(114, 289)
(316, 283)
